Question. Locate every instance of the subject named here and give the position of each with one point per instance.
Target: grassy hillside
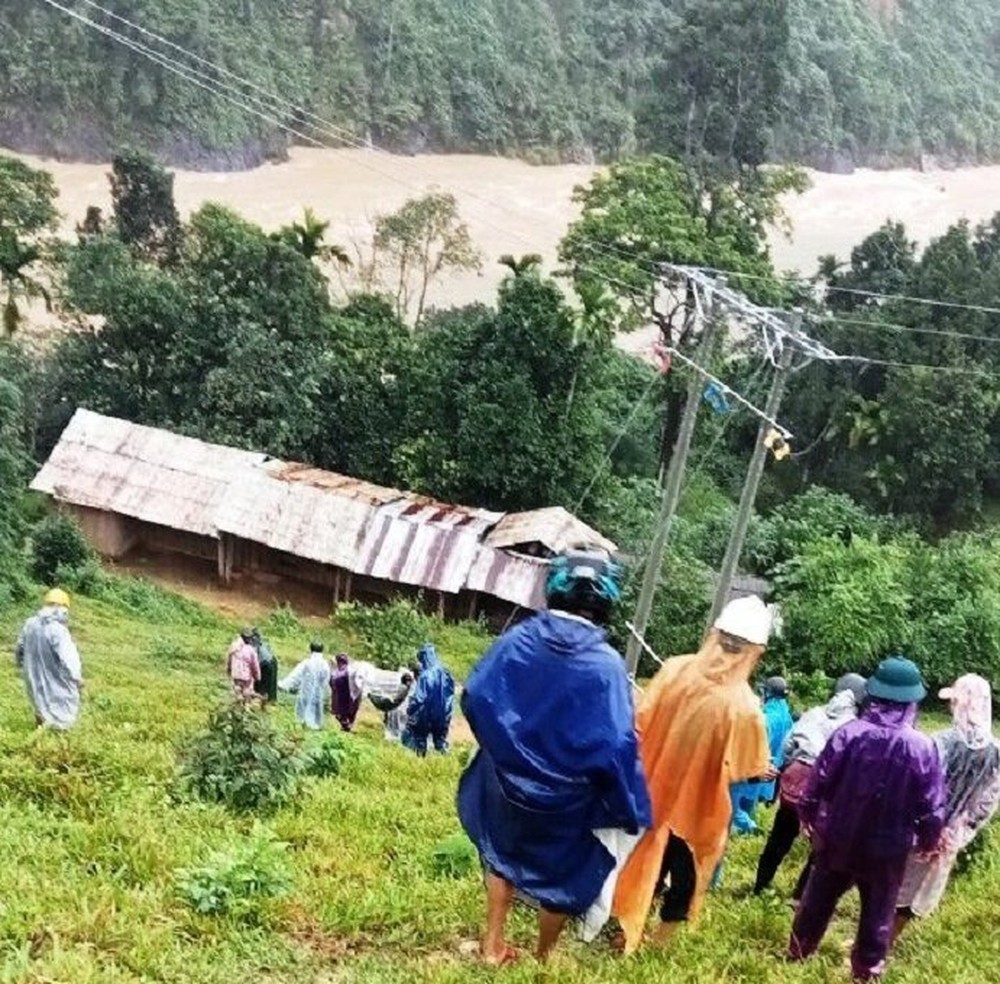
(864, 80)
(92, 840)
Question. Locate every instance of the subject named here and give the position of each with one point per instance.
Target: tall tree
(28, 219)
(145, 214)
(415, 245)
(716, 92)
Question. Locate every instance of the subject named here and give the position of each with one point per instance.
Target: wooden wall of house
(162, 539)
(110, 534)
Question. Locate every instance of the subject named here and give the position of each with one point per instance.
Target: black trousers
(677, 880)
(779, 843)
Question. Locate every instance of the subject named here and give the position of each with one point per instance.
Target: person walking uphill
(971, 759)
(876, 791)
(50, 663)
(550, 705)
(428, 714)
(311, 681)
(700, 730)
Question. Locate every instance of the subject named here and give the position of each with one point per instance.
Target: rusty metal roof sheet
(143, 472)
(424, 543)
(351, 488)
(515, 578)
(554, 527)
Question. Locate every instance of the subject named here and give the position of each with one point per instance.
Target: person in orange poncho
(700, 730)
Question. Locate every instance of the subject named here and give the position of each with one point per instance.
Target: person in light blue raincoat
(428, 714)
(779, 721)
(50, 664)
(311, 681)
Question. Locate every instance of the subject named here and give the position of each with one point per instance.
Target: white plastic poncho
(812, 731)
(367, 680)
(311, 681)
(50, 663)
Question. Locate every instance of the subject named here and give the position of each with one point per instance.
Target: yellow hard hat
(57, 597)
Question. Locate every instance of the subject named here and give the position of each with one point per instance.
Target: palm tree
(18, 284)
(307, 237)
(527, 263)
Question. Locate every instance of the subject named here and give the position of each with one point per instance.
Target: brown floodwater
(513, 207)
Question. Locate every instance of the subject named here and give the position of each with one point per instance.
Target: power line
(341, 133)
(960, 370)
(907, 298)
(320, 124)
(266, 112)
(185, 72)
(729, 391)
(896, 326)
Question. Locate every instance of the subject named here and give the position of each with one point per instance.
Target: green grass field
(92, 838)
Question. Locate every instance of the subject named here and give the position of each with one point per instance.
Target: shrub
(955, 623)
(328, 755)
(283, 621)
(677, 622)
(816, 514)
(241, 761)
(234, 881)
(844, 605)
(58, 546)
(453, 857)
(389, 635)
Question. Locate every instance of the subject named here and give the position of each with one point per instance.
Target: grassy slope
(91, 839)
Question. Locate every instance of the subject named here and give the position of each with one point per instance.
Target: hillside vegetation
(848, 80)
(100, 845)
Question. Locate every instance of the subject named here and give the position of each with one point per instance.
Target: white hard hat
(746, 618)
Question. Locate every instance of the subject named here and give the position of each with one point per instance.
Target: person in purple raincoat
(345, 697)
(875, 793)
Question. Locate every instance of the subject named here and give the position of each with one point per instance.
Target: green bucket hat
(898, 680)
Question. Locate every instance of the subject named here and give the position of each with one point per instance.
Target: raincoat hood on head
(428, 657)
(841, 704)
(723, 667)
(971, 709)
(889, 714)
(54, 613)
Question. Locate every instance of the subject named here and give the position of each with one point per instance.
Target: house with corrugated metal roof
(137, 489)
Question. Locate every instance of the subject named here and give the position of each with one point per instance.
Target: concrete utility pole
(671, 496)
(738, 536)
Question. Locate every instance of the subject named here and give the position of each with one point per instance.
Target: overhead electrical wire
(906, 298)
(896, 326)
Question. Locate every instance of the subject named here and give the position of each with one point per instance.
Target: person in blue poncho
(428, 714)
(779, 721)
(550, 705)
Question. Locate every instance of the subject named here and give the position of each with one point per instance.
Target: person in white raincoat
(311, 681)
(50, 663)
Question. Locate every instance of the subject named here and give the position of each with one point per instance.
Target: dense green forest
(849, 81)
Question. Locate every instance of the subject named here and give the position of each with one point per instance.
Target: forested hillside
(837, 81)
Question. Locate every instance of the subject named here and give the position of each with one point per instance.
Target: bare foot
(502, 957)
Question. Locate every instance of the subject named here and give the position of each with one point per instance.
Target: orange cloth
(700, 730)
